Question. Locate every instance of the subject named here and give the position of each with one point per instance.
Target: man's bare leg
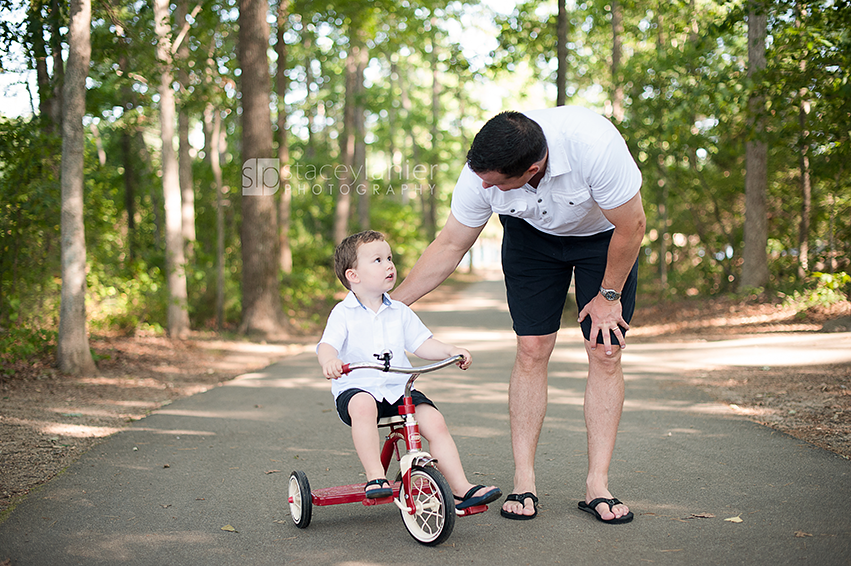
(527, 406)
(604, 395)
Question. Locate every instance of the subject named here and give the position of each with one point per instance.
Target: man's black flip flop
(592, 508)
(520, 498)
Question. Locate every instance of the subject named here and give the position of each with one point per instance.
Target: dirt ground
(48, 420)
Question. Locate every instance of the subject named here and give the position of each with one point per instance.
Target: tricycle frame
(420, 492)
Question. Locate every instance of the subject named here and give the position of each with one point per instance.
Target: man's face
(504, 183)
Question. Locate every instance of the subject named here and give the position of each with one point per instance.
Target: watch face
(610, 295)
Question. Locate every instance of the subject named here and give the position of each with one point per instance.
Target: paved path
(159, 492)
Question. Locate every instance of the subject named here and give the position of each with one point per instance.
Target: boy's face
(374, 271)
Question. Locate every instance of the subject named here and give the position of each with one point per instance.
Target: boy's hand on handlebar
(468, 358)
(333, 369)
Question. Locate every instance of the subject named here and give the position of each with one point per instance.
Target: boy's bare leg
(527, 406)
(604, 395)
(442, 446)
(364, 413)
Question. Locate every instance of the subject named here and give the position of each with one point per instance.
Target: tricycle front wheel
(301, 503)
(434, 519)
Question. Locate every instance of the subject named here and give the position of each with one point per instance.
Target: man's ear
(352, 276)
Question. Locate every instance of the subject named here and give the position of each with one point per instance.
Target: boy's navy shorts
(385, 409)
(538, 269)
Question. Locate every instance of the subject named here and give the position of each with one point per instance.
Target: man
(566, 190)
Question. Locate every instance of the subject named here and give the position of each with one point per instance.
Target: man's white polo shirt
(589, 168)
(358, 333)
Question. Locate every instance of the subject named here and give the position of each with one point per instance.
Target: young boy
(366, 323)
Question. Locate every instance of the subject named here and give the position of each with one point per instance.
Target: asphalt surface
(160, 491)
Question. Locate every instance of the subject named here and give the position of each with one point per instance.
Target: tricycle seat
(389, 421)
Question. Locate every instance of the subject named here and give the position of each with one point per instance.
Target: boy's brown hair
(346, 254)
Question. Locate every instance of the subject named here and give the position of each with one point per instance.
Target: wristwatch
(610, 294)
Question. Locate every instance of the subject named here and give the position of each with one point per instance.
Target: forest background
(223, 148)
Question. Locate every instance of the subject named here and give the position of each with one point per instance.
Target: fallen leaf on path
(229, 529)
(702, 516)
(272, 472)
(802, 534)
(736, 519)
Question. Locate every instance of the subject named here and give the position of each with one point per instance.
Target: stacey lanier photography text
(265, 177)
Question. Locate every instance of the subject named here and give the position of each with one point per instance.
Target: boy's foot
(485, 496)
(378, 492)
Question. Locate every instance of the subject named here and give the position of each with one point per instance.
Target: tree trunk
(129, 179)
(430, 212)
(261, 299)
(416, 151)
(664, 222)
(310, 148)
(284, 204)
(175, 259)
(755, 264)
(56, 24)
(831, 237)
(804, 164)
(806, 194)
(361, 186)
(617, 53)
(348, 139)
(72, 352)
(561, 53)
(187, 187)
(215, 164)
(393, 153)
(35, 31)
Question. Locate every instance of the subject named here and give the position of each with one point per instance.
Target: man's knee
(600, 361)
(535, 349)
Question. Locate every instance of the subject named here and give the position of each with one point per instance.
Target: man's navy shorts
(538, 269)
(385, 409)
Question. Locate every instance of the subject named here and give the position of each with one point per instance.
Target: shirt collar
(352, 301)
(557, 160)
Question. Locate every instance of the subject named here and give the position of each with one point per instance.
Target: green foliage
(20, 344)
(29, 222)
(683, 73)
(828, 289)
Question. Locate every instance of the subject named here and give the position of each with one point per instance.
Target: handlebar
(347, 368)
(414, 372)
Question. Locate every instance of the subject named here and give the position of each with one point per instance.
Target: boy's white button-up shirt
(358, 333)
(589, 168)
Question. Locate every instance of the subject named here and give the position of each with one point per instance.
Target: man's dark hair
(509, 143)
(346, 254)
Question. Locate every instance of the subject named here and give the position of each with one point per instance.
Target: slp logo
(261, 177)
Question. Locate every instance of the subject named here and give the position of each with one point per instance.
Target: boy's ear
(352, 276)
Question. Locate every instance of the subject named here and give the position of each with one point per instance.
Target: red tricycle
(420, 491)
